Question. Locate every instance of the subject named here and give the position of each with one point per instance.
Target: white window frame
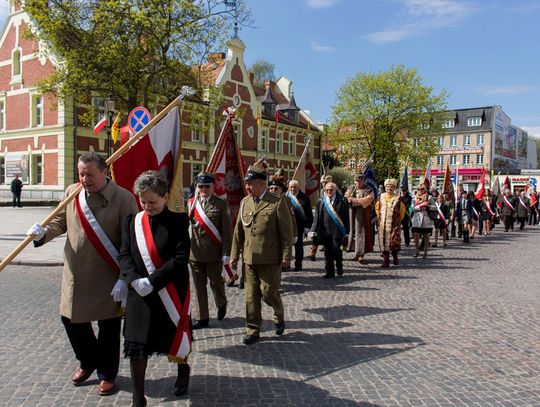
(39, 111)
(440, 160)
(479, 159)
(279, 143)
(474, 121)
(292, 145)
(480, 139)
(453, 159)
(453, 140)
(450, 124)
(16, 77)
(197, 136)
(441, 141)
(2, 113)
(466, 159)
(416, 142)
(352, 165)
(466, 139)
(98, 104)
(196, 168)
(238, 133)
(263, 144)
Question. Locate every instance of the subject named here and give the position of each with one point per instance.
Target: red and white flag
(306, 175)
(228, 168)
(481, 187)
(158, 150)
(100, 125)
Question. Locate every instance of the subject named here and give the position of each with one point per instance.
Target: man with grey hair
(360, 198)
(91, 288)
(304, 220)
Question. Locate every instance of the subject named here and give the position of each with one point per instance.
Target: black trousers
(406, 226)
(332, 255)
(299, 250)
(508, 222)
(521, 221)
(101, 353)
(16, 199)
(532, 217)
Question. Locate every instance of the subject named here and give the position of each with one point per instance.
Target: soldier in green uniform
(263, 235)
(211, 236)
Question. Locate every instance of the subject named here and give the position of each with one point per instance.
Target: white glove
(312, 235)
(225, 259)
(37, 230)
(119, 291)
(306, 231)
(142, 286)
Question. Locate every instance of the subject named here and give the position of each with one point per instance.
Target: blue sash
(297, 206)
(333, 215)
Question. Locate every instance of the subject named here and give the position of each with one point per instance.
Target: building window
(451, 123)
(99, 108)
(474, 121)
(278, 143)
(38, 168)
(292, 145)
(441, 141)
(440, 160)
(453, 141)
(352, 165)
(480, 139)
(2, 170)
(2, 115)
(467, 140)
(416, 142)
(196, 136)
(195, 170)
(466, 159)
(16, 63)
(39, 110)
(264, 140)
(453, 160)
(479, 159)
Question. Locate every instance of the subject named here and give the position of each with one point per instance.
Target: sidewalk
(16, 222)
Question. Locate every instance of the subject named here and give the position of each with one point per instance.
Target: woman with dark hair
(421, 222)
(441, 224)
(472, 218)
(154, 264)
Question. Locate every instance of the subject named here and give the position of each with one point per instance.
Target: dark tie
(257, 200)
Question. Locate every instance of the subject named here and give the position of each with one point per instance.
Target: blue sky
(483, 52)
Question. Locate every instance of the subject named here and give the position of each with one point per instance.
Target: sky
(482, 52)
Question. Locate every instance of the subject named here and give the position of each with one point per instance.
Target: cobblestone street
(460, 328)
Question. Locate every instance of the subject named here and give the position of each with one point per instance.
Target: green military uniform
(206, 256)
(263, 234)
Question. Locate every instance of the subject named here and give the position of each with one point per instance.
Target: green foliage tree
(137, 51)
(391, 115)
(262, 70)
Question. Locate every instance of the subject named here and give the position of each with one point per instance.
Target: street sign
(138, 118)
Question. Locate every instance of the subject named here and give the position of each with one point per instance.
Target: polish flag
(159, 150)
(228, 167)
(100, 125)
(480, 190)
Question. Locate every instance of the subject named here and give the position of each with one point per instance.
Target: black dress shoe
(340, 273)
(280, 328)
(329, 275)
(298, 268)
(241, 284)
(201, 323)
(182, 381)
(221, 312)
(250, 339)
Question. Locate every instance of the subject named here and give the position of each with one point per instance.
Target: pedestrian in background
(422, 225)
(442, 222)
(407, 200)
(16, 190)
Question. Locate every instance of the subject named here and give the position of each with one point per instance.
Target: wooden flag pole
(110, 160)
(302, 157)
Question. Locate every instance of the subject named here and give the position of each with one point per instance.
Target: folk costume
(211, 238)
(263, 236)
(360, 203)
(390, 212)
(92, 222)
(421, 222)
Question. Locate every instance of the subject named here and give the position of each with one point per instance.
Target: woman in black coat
(149, 326)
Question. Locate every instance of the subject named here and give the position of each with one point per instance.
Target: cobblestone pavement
(461, 328)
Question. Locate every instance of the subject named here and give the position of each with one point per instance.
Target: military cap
(277, 179)
(256, 171)
(204, 178)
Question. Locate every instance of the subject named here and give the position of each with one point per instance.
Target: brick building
(40, 137)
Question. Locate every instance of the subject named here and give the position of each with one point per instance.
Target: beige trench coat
(87, 279)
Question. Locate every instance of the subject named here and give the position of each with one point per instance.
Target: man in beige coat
(89, 281)
(207, 256)
(263, 234)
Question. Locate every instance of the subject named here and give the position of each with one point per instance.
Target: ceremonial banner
(369, 179)
(480, 190)
(158, 150)
(405, 178)
(100, 125)
(427, 177)
(306, 174)
(448, 187)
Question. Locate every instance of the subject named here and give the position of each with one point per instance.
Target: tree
(390, 115)
(137, 51)
(262, 70)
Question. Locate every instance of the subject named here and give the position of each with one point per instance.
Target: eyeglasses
(203, 186)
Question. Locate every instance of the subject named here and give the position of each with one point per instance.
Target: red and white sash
(95, 233)
(210, 229)
(441, 215)
(505, 200)
(523, 204)
(489, 209)
(180, 315)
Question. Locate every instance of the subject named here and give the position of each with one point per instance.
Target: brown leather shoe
(80, 376)
(106, 387)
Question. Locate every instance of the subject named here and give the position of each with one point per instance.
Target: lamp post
(110, 105)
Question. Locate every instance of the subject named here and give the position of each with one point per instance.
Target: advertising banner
(16, 164)
(506, 140)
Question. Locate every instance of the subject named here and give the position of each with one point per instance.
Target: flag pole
(302, 157)
(110, 160)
